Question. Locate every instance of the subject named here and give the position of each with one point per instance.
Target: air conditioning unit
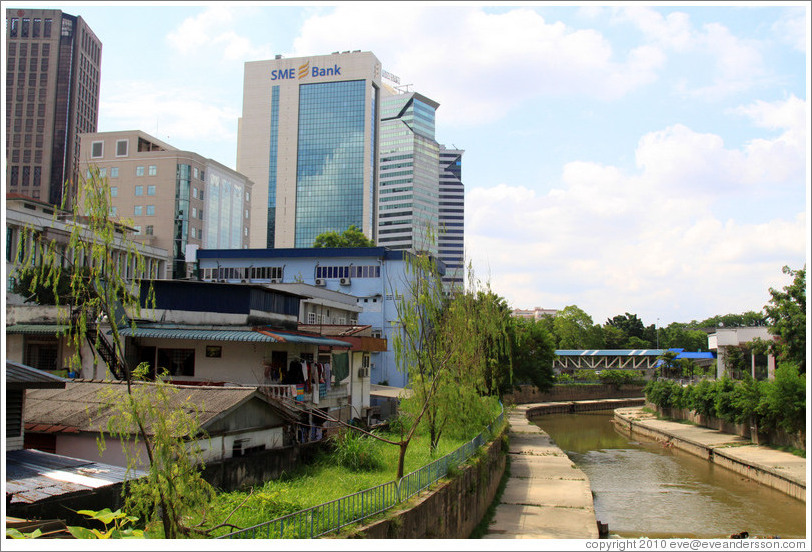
(277, 281)
(363, 372)
(320, 282)
(344, 281)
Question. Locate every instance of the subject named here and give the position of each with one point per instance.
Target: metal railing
(332, 516)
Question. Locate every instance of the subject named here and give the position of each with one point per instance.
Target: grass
(319, 482)
(482, 527)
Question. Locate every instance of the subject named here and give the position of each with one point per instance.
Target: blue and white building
(375, 276)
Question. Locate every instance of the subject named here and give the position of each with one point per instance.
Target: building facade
(308, 139)
(52, 95)
(451, 233)
(375, 276)
(408, 198)
(176, 200)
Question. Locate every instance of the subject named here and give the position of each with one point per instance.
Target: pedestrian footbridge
(569, 360)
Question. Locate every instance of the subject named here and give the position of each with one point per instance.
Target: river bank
(779, 470)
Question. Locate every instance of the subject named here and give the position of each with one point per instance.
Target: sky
(628, 157)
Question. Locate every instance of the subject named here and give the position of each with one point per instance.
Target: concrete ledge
(779, 470)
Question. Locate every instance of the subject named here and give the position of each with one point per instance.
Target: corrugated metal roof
(245, 336)
(85, 405)
(33, 475)
(36, 329)
(19, 376)
(610, 352)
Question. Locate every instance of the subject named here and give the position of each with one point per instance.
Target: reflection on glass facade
(181, 230)
(330, 160)
(451, 237)
(272, 166)
(223, 213)
(409, 177)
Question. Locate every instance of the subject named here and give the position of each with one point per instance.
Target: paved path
(732, 451)
(546, 496)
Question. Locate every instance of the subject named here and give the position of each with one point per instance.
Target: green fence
(332, 516)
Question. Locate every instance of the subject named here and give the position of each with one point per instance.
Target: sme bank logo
(304, 70)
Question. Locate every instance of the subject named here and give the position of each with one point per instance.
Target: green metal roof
(245, 336)
(36, 329)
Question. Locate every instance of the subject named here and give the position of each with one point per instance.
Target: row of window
(26, 27)
(26, 176)
(243, 273)
(362, 271)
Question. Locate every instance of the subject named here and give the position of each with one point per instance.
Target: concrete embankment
(546, 496)
(780, 470)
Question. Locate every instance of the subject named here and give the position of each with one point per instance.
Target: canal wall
(779, 470)
(572, 407)
(528, 394)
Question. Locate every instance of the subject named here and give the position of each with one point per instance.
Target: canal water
(643, 489)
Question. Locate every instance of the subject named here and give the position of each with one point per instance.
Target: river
(643, 489)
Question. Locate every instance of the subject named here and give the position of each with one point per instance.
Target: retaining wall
(573, 392)
(581, 406)
(452, 509)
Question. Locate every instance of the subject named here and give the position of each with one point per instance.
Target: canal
(643, 489)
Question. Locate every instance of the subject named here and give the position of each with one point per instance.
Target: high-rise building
(52, 95)
(451, 238)
(408, 195)
(176, 200)
(307, 138)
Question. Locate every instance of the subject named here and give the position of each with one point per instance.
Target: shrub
(723, 401)
(619, 377)
(585, 375)
(701, 397)
(664, 393)
(783, 401)
(356, 451)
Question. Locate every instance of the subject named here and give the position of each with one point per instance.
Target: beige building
(176, 200)
(536, 313)
(53, 63)
(308, 140)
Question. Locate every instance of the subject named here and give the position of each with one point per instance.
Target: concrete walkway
(546, 496)
(781, 470)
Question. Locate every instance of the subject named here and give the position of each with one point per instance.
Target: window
(202, 175)
(102, 173)
(139, 190)
(151, 190)
(311, 318)
(200, 214)
(139, 171)
(194, 171)
(97, 150)
(113, 191)
(194, 232)
(113, 172)
(122, 147)
(137, 229)
(201, 195)
(150, 210)
(138, 210)
(194, 192)
(178, 362)
(194, 212)
(247, 196)
(113, 211)
(149, 230)
(153, 170)
(246, 213)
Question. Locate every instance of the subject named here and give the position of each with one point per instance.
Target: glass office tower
(451, 239)
(409, 173)
(308, 139)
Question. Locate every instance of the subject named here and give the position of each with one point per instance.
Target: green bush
(723, 401)
(619, 377)
(356, 451)
(665, 393)
(585, 375)
(564, 378)
(783, 401)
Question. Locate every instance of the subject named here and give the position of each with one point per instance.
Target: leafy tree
(614, 337)
(629, 324)
(533, 353)
(783, 401)
(351, 237)
(669, 366)
(575, 330)
(786, 314)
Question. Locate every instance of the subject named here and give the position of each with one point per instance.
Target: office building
(307, 138)
(409, 173)
(52, 95)
(451, 235)
(176, 200)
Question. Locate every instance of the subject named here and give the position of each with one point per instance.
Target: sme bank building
(308, 139)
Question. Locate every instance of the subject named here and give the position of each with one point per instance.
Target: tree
(629, 324)
(575, 330)
(351, 237)
(533, 353)
(94, 258)
(786, 314)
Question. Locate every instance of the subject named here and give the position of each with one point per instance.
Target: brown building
(176, 200)
(52, 95)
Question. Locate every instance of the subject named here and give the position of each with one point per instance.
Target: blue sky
(632, 157)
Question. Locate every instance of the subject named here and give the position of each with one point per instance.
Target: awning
(37, 329)
(244, 336)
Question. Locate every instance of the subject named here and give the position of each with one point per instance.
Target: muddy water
(642, 489)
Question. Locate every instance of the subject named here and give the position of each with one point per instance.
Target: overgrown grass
(319, 482)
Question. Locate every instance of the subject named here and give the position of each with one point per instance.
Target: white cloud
(793, 28)
(211, 35)
(481, 65)
(647, 242)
